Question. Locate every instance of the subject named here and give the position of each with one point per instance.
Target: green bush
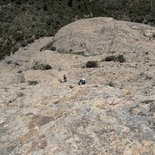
(70, 3)
(111, 58)
(119, 58)
(40, 66)
(49, 46)
(30, 40)
(53, 48)
(23, 43)
(91, 64)
(14, 49)
(33, 82)
(111, 84)
(19, 36)
(9, 62)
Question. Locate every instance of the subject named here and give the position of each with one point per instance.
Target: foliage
(41, 66)
(22, 20)
(49, 46)
(119, 58)
(91, 64)
(33, 82)
(111, 58)
(110, 83)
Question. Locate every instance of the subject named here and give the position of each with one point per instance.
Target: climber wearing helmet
(82, 81)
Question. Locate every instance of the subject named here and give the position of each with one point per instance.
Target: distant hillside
(22, 21)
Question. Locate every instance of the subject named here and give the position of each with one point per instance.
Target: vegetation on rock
(91, 64)
(119, 58)
(40, 66)
(23, 21)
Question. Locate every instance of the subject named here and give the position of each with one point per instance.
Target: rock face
(113, 114)
(102, 35)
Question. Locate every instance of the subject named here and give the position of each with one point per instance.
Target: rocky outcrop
(113, 114)
(82, 120)
(105, 35)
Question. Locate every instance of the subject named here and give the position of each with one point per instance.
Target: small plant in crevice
(41, 66)
(53, 48)
(79, 53)
(110, 83)
(62, 51)
(33, 82)
(147, 77)
(19, 94)
(49, 46)
(9, 62)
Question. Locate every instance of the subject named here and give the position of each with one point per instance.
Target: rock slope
(113, 114)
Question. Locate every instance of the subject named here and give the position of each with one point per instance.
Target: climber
(65, 78)
(82, 81)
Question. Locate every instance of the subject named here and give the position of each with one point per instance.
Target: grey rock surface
(113, 114)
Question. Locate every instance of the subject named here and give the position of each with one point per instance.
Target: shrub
(45, 7)
(53, 48)
(18, 2)
(37, 36)
(80, 53)
(33, 82)
(148, 77)
(14, 49)
(119, 58)
(9, 62)
(49, 46)
(30, 40)
(46, 67)
(23, 43)
(19, 71)
(111, 58)
(91, 64)
(70, 3)
(111, 84)
(40, 66)
(19, 36)
(20, 94)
